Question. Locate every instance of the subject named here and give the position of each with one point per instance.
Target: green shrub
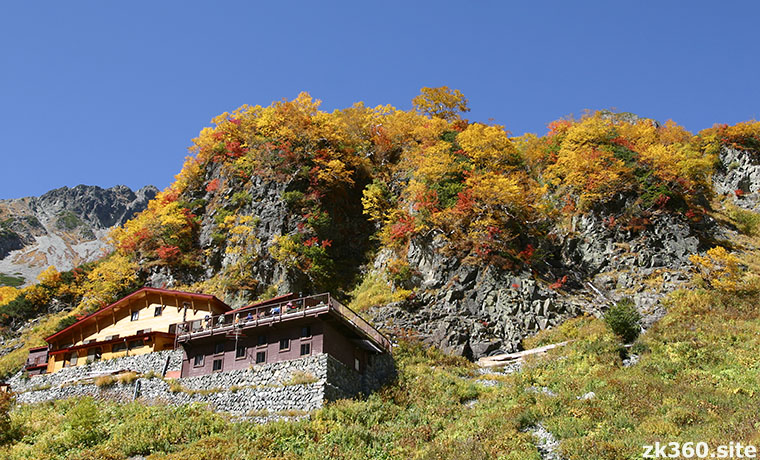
(747, 222)
(293, 198)
(624, 320)
(83, 425)
(65, 322)
(6, 403)
(240, 199)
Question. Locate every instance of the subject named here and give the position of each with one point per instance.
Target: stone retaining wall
(245, 401)
(299, 385)
(142, 364)
(278, 373)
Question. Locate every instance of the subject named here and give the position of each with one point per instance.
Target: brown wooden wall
(341, 348)
(249, 340)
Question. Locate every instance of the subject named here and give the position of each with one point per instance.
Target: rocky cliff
(476, 310)
(64, 227)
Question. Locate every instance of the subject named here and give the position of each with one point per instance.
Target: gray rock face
(474, 311)
(64, 227)
(98, 207)
(272, 220)
(739, 171)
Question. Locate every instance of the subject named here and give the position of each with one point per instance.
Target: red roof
(279, 298)
(138, 293)
(44, 347)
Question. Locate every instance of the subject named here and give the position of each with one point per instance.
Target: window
(72, 360)
(217, 365)
(94, 355)
(261, 357)
(356, 363)
(262, 340)
(284, 344)
(240, 352)
(136, 344)
(198, 360)
(135, 315)
(306, 331)
(219, 348)
(305, 349)
(117, 347)
(158, 311)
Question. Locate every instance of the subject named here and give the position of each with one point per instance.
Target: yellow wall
(119, 321)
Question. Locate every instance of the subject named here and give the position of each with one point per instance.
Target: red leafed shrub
(739, 193)
(426, 200)
(133, 241)
(526, 254)
(623, 142)
(212, 186)
(559, 283)
(168, 252)
(661, 201)
(312, 241)
(559, 127)
(234, 149)
(465, 202)
(402, 228)
(170, 196)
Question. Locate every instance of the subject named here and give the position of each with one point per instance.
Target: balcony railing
(233, 322)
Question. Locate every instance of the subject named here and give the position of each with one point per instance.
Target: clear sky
(106, 93)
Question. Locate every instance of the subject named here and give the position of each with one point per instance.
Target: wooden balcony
(246, 319)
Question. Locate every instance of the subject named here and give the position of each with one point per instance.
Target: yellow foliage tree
(488, 146)
(441, 102)
(7, 294)
(724, 271)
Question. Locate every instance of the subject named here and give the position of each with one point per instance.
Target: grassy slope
(696, 381)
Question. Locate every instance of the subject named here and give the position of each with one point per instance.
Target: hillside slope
(434, 227)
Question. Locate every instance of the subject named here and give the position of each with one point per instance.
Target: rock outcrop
(738, 176)
(64, 227)
(475, 311)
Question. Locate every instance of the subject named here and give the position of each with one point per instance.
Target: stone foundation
(300, 385)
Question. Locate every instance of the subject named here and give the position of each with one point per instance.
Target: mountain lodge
(142, 322)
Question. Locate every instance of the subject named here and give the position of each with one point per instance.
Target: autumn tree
(441, 102)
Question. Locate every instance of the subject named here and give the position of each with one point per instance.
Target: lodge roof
(136, 295)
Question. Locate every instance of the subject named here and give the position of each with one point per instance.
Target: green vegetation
(624, 320)
(695, 380)
(65, 322)
(10, 280)
(68, 221)
(747, 222)
(373, 291)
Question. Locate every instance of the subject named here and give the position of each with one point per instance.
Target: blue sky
(108, 93)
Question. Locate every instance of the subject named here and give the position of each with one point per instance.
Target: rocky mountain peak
(63, 227)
